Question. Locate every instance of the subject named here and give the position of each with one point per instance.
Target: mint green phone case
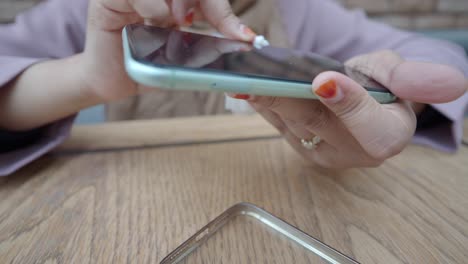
(188, 79)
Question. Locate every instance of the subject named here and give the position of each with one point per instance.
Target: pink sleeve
(51, 136)
(53, 29)
(445, 136)
(325, 27)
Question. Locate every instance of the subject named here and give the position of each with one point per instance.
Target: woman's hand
(356, 131)
(97, 75)
(102, 60)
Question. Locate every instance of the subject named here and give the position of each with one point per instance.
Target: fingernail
(189, 17)
(248, 32)
(240, 96)
(329, 91)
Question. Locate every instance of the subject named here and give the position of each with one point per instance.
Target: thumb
(382, 133)
(346, 98)
(410, 80)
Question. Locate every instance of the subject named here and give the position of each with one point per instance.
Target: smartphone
(181, 60)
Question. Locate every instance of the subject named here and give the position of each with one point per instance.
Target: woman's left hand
(355, 130)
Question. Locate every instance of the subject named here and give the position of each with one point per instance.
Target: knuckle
(378, 65)
(362, 64)
(226, 17)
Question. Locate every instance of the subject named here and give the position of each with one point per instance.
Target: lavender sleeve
(53, 29)
(325, 27)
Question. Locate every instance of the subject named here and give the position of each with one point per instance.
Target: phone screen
(177, 49)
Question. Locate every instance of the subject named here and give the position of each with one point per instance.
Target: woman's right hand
(51, 90)
(102, 60)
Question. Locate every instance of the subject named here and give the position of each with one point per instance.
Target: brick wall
(409, 14)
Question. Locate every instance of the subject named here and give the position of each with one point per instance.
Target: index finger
(219, 13)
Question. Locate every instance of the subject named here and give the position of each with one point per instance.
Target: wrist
(83, 83)
(45, 92)
(104, 80)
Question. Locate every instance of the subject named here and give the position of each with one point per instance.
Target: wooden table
(133, 191)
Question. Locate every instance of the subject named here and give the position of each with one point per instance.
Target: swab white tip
(260, 42)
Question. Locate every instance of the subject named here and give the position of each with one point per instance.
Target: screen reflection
(173, 48)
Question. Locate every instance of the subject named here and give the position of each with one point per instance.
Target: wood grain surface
(118, 193)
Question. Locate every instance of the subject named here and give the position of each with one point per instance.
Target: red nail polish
(327, 90)
(189, 18)
(248, 31)
(242, 96)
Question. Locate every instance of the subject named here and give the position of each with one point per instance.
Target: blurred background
(446, 19)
